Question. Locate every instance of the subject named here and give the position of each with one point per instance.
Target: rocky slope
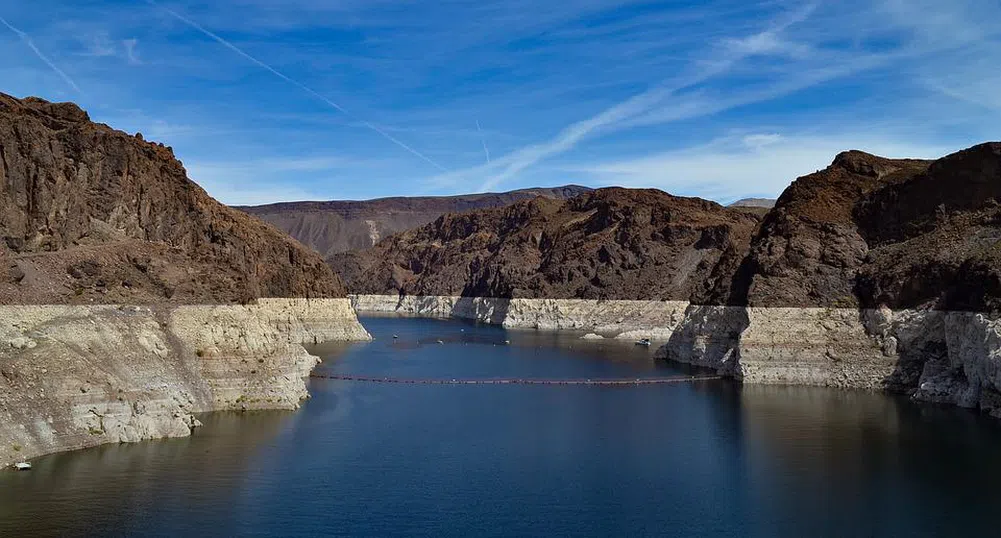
(93, 215)
(130, 299)
(607, 244)
(338, 226)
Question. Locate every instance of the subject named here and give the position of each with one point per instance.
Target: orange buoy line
(591, 382)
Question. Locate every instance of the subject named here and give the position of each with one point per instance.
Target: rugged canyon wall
(131, 300)
(618, 262)
(872, 273)
(609, 244)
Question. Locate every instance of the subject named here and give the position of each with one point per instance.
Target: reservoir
(702, 458)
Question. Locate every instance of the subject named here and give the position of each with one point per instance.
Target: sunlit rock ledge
(78, 376)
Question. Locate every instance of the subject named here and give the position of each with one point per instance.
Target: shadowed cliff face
(608, 244)
(338, 226)
(869, 231)
(92, 215)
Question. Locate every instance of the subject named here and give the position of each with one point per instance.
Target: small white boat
(643, 342)
(396, 336)
(22, 466)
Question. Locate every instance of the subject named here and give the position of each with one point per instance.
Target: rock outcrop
(609, 244)
(93, 215)
(338, 226)
(130, 300)
(873, 273)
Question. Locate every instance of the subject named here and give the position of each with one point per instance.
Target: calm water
(709, 459)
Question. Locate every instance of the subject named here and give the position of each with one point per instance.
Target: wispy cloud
(295, 83)
(739, 166)
(31, 45)
(510, 165)
(98, 46)
(553, 88)
(131, 51)
(483, 140)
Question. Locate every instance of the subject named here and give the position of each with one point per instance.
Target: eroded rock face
(93, 215)
(809, 248)
(608, 244)
(873, 273)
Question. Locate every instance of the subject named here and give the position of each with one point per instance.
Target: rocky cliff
(338, 226)
(607, 244)
(130, 300)
(93, 215)
(874, 273)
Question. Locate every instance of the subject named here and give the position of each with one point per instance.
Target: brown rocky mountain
(606, 244)
(91, 214)
(866, 231)
(339, 226)
(766, 203)
(870, 231)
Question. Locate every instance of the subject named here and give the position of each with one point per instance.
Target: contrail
(483, 140)
(27, 41)
(293, 82)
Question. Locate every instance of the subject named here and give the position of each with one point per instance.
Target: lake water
(361, 459)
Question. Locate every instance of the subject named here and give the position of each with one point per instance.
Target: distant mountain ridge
(766, 203)
(333, 227)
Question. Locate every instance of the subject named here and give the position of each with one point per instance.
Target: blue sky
(267, 100)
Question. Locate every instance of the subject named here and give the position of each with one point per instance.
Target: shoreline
(945, 357)
(74, 377)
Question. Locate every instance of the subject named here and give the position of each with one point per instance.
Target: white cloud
(730, 168)
(131, 51)
(767, 43)
(517, 161)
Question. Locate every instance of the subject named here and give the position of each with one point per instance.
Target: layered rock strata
(79, 376)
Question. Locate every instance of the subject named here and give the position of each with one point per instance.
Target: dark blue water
(706, 459)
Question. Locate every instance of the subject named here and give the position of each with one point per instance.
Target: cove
(374, 459)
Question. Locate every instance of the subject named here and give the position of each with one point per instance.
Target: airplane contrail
(483, 140)
(293, 82)
(31, 44)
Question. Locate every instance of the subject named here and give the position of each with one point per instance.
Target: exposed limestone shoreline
(944, 357)
(78, 376)
(620, 319)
